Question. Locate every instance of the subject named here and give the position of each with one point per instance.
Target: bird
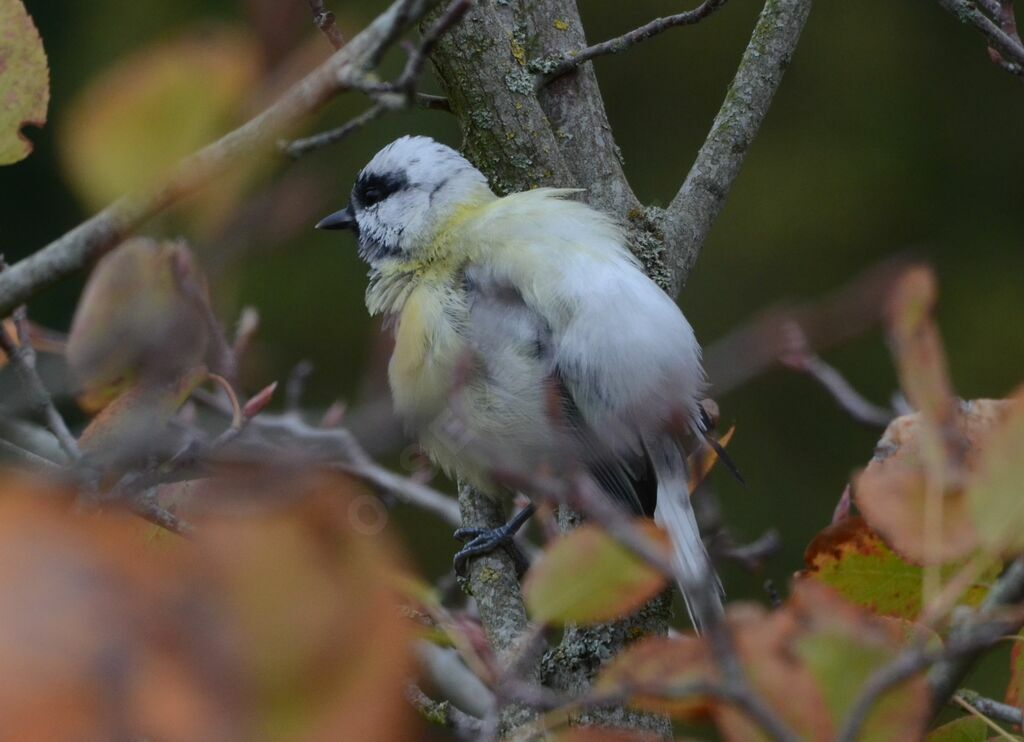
(526, 332)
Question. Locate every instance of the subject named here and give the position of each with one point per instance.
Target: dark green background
(892, 131)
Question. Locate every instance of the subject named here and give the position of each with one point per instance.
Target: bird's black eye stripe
(373, 188)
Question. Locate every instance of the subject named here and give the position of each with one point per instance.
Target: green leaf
(856, 562)
(588, 577)
(24, 80)
(842, 663)
(967, 729)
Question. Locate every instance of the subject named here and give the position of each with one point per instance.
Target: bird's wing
(517, 344)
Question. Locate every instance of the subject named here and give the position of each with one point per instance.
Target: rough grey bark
(520, 140)
(694, 209)
(493, 583)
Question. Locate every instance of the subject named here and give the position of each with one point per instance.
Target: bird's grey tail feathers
(700, 586)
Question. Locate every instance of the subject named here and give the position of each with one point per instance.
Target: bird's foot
(485, 540)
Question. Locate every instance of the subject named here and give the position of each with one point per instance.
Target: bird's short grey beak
(344, 219)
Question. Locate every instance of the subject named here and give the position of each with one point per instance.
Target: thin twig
(33, 460)
(23, 357)
(947, 675)
(553, 69)
(800, 357)
(1009, 47)
(1003, 712)
(984, 719)
(689, 217)
(444, 713)
(295, 149)
(914, 660)
(406, 82)
(342, 451)
(324, 20)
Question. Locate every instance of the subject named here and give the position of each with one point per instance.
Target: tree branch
(91, 239)
(23, 357)
(947, 675)
(994, 709)
(551, 69)
(324, 20)
(914, 660)
(444, 713)
(337, 447)
(1001, 38)
(694, 209)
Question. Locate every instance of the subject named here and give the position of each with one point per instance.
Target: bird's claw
(482, 541)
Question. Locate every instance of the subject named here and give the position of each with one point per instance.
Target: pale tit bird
(526, 332)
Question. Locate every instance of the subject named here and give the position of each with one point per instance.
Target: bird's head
(405, 196)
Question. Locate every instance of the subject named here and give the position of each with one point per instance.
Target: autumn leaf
(857, 563)
(891, 491)
(995, 491)
(659, 664)
(614, 583)
(918, 348)
(821, 649)
(24, 80)
(139, 320)
(807, 661)
(272, 619)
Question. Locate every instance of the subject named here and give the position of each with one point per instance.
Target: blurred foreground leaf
(276, 623)
(140, 320)
(588, 577)
(853, 559)
(659, 663)
(995, 491)
(24, 80)
(891, 491)
(807, 661)
(134, 122)
(967, 729)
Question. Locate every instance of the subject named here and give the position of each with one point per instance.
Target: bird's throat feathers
(439, 259)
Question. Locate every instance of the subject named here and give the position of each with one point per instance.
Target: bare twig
(324, 20)
(337, 447)
(553, 69)
(72, 252)
(389, 96)
(149, 509)
(295, 149)
(31, 459)
(406, 82)
(800, 357)
(1001, 38)
(962, 647)
(23, 357)
(997, 710)
(750, 556)
(694, 209)
(295, 388)
(947, 675)
(444, 713)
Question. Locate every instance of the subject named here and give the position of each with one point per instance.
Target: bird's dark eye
(373, 188)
